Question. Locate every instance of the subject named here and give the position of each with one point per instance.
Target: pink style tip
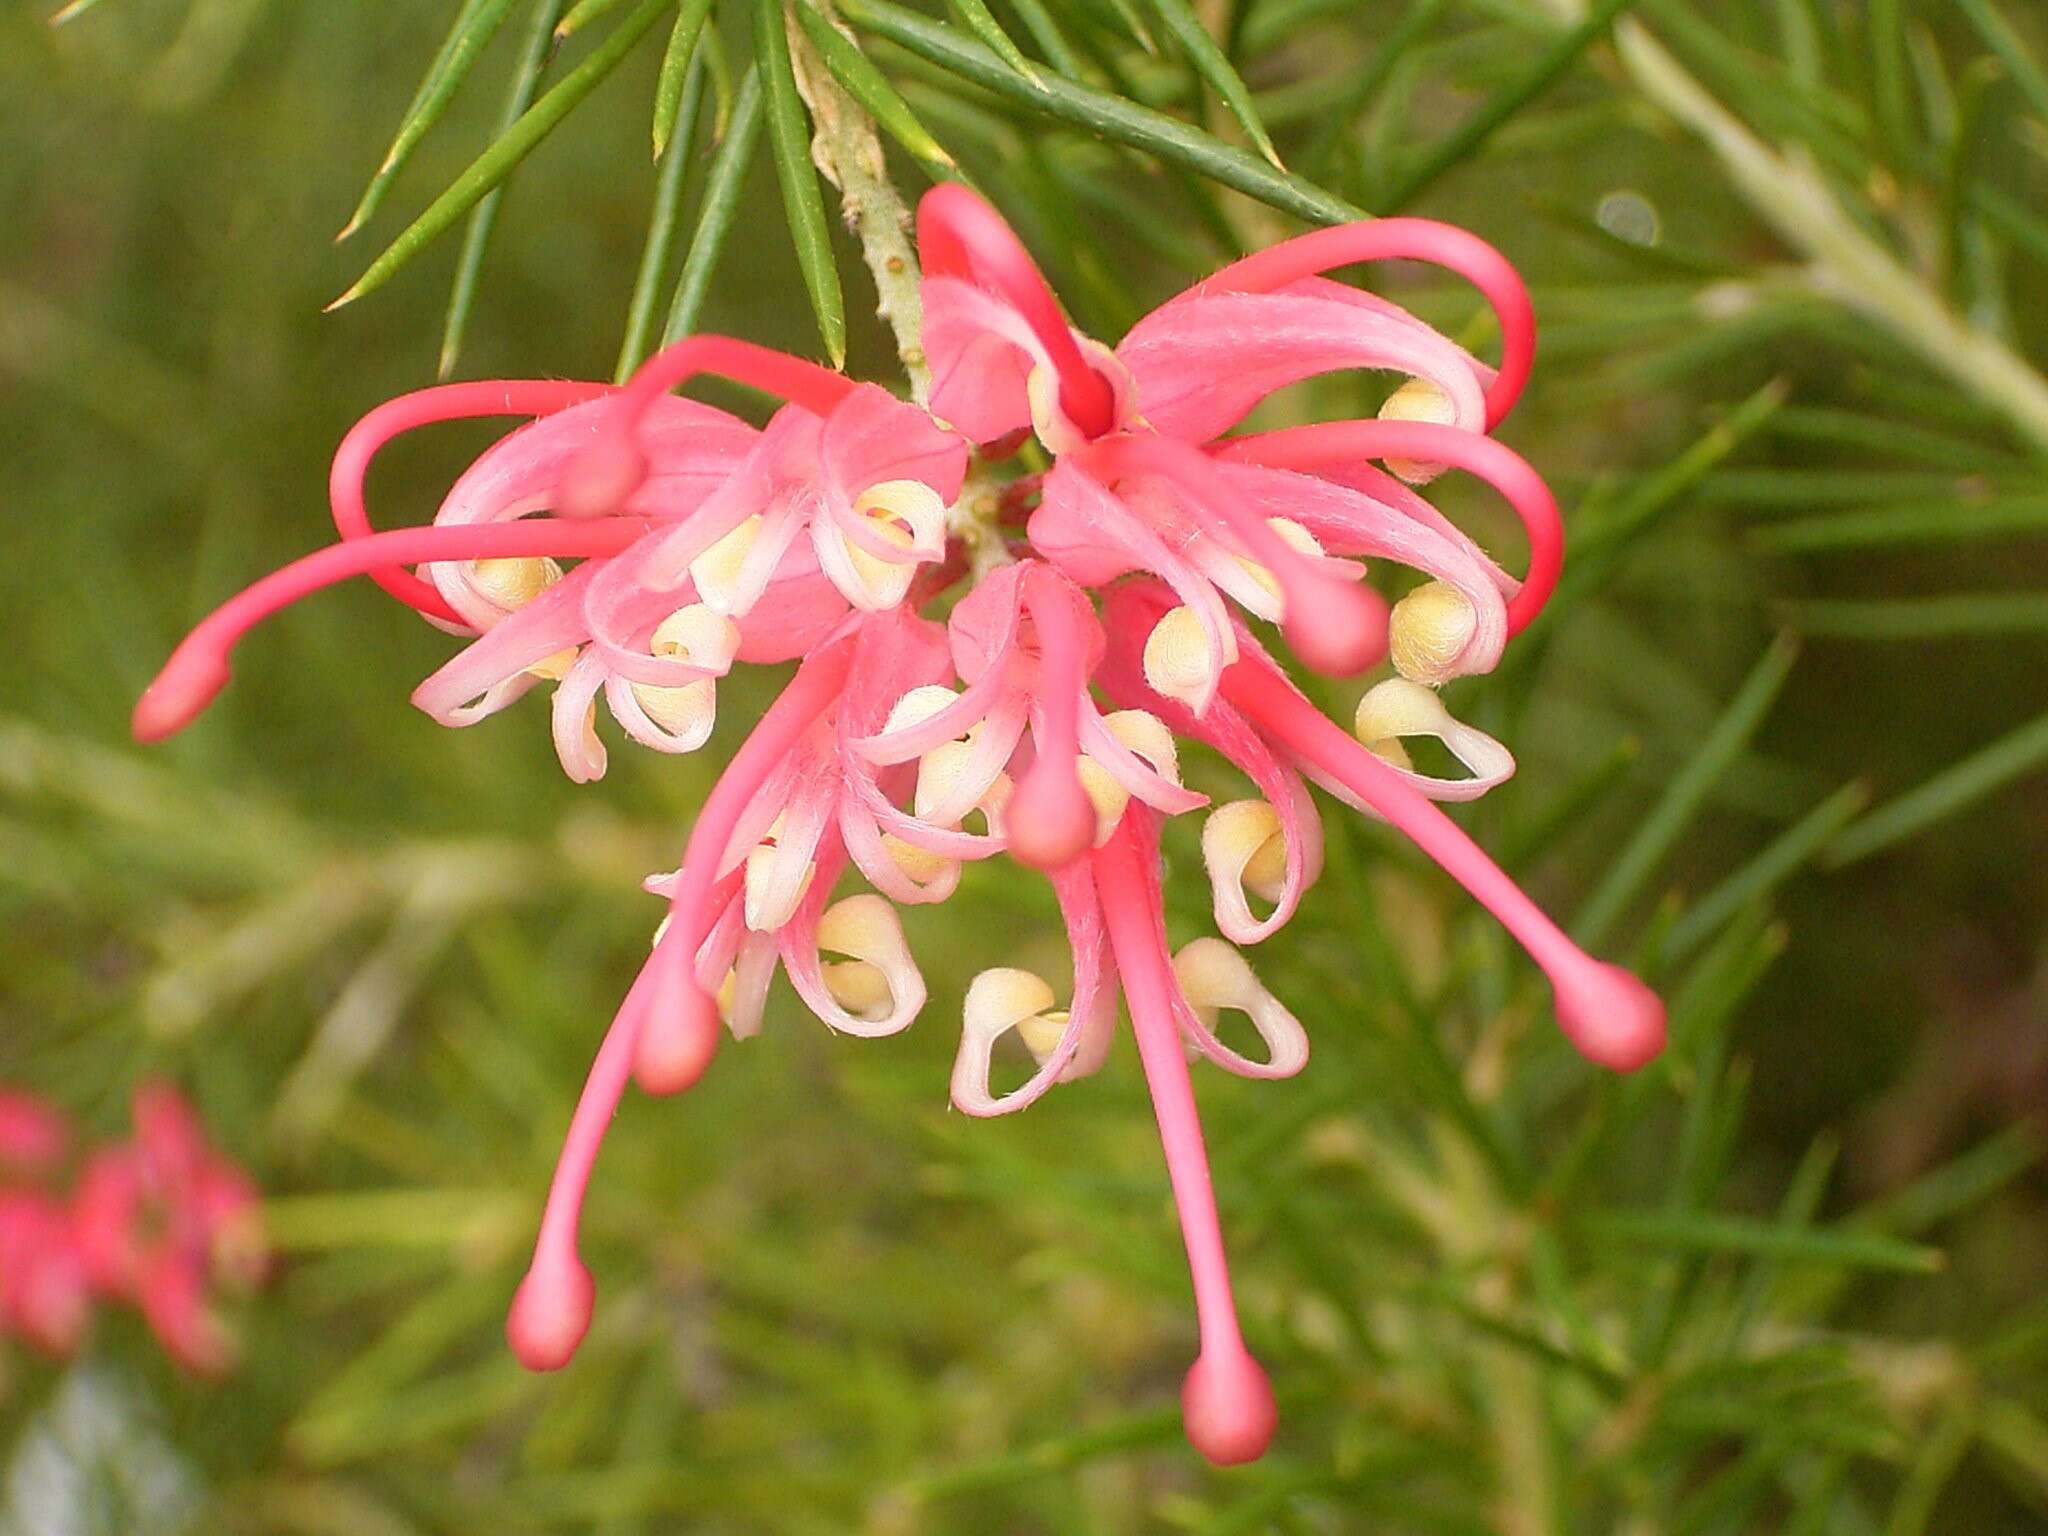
(1336, 628)
(1227, 1406)
(598, 480)
(1611, 1015)
(1050, 821)
(550, 1313)
(677, 1040)
(188, 683)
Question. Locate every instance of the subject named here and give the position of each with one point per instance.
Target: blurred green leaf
(1947, 794)
(1701, 1232)
(651, 281)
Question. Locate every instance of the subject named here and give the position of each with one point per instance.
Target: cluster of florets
(160, 1222)
(1109, 621)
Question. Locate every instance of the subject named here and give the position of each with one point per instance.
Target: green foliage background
(1786, 1281)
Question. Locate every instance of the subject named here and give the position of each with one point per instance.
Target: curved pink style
(1606, 1012)
(198, 668)
(960, 235)
(426, 407)
(599, 479)
(1226, 1400)
(1346, 442)
(1403, 239)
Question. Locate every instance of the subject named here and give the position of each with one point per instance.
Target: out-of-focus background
(1783, 747)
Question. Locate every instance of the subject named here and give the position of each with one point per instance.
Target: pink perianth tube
(424, 407)
(198, 668)
(1606, 1012)
(1226, 1400)
(1337, 627)
(681, 1027)
(600, 478)
(551, 1310)
(1050, 820)
(960, 235)
(1337, 442)
(1443, 245)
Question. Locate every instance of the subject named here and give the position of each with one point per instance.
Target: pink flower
(33, 1137)
(1275, 522)
(161, 1219)
(45, 1296)
(902, 748)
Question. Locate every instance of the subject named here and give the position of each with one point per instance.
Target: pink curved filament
(1337, 442)
(1227, 1401)
(551, 1311)
(599, 479)
(960, 235)
(1050, 819)
(1337, 627)
(198, 668)
(1608, 1014)
(423, 407)
(1444, 245)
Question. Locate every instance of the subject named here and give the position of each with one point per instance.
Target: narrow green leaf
(1557, 820)
(1687, 792)
(1944, 521)
(2020, 1440)
(871, 88)
(1778, 861)
(1703, 1232)
(507, 150)
(2000, 37)
(1110, 117)
(1214, 66)
(1052, 42)
(1958, 1184)
(789, 140)
(581, 15)
(1767, 490)
(1882, 436)
(476, 239)
(475, 26)
(1940, 1455)
(1505, 103)
(1886, 25)
(1922, 618)
(719, 209)
(650, 282)
(981, 21)
(675, 68)
(1947, 794)
(1959, 176)
(1365, 82)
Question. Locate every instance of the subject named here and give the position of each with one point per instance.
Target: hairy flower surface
(1043, 719)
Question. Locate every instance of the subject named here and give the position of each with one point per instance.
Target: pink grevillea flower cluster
(1108, 620)
(159, 1222)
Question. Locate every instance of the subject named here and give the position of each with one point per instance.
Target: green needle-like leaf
(1214, 66)
(649, 283)
(981, 21)
(476, 239)
(582, 14)
(675, 68)
(1110, 117)
(507, 150)
(2001, 38)
(1699, 1232)
(802, 204)
(1945, 521)
(871, 88)
(1763, 874)
(477, 24)
(72, 12)
(1045, 31)
(1686, 793)
(1921, 618)
(1504, 104)
(1947, 794)
(720, 207)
